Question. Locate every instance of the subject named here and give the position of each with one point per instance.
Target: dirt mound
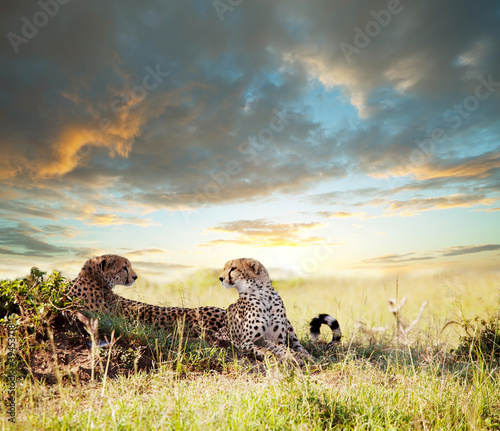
(65, 353)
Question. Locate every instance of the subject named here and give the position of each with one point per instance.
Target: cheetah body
(100, 275)
(257, 321)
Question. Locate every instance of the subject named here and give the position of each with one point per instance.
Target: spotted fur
(329, 321)
(257, 321)
(99, 275)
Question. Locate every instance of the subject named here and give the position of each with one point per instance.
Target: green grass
(373, 381)
(351, 394)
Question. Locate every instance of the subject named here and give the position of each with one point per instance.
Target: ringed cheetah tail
(327, 320)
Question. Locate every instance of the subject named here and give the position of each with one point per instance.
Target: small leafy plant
(481, 342)
(34, 300)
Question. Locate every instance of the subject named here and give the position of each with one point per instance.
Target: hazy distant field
(370, 382)
(449, 297)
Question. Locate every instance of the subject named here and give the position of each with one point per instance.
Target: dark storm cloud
(173, 108)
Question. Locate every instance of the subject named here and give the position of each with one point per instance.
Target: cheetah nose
(221, 279)
(134, 277)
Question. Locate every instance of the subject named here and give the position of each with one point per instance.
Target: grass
(440, 377)
(352, 394)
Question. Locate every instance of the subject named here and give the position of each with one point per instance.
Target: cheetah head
(244, 274)
(114, 270)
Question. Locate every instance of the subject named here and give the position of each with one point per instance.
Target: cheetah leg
(285, 353)
(268, 350)
(247, 339)
(295, 343)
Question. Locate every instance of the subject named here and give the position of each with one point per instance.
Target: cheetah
(94, 284)
(257, 321)
(329, 321)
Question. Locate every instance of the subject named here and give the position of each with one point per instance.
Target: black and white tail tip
(327, 320)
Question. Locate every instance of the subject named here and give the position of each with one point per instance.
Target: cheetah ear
(107, 262)
(255, 265)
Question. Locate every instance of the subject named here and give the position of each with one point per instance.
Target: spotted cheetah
(99, 275)
(257, 321)
(329, 321)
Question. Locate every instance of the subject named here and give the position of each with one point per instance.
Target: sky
(324, 138)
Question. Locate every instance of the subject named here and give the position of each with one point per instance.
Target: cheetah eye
(125, 269)
(229, 274)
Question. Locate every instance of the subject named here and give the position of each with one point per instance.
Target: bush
(481, 342)
(34, 301)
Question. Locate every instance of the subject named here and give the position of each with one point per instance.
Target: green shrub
(33, 301)
(481, 342)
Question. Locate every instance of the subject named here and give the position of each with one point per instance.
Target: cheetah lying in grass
(258, 322)
(99, 275)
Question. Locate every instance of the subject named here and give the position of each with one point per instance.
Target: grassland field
(450, 297)
(375, 380)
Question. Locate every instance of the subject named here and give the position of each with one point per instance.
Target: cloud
(114, 219)
(439, 203)
(160, 266)
(341, 214)
(474, 193)
(262, 233)
(459, 250)
(346, 197)
(170, 140)
(488, 210)
(396, 258)
(145, 252)
(23, 239)
(409, 64)
(17, 209)
(431, 255)
(477, 167)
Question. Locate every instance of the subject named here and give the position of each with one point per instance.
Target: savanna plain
(417, 353)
